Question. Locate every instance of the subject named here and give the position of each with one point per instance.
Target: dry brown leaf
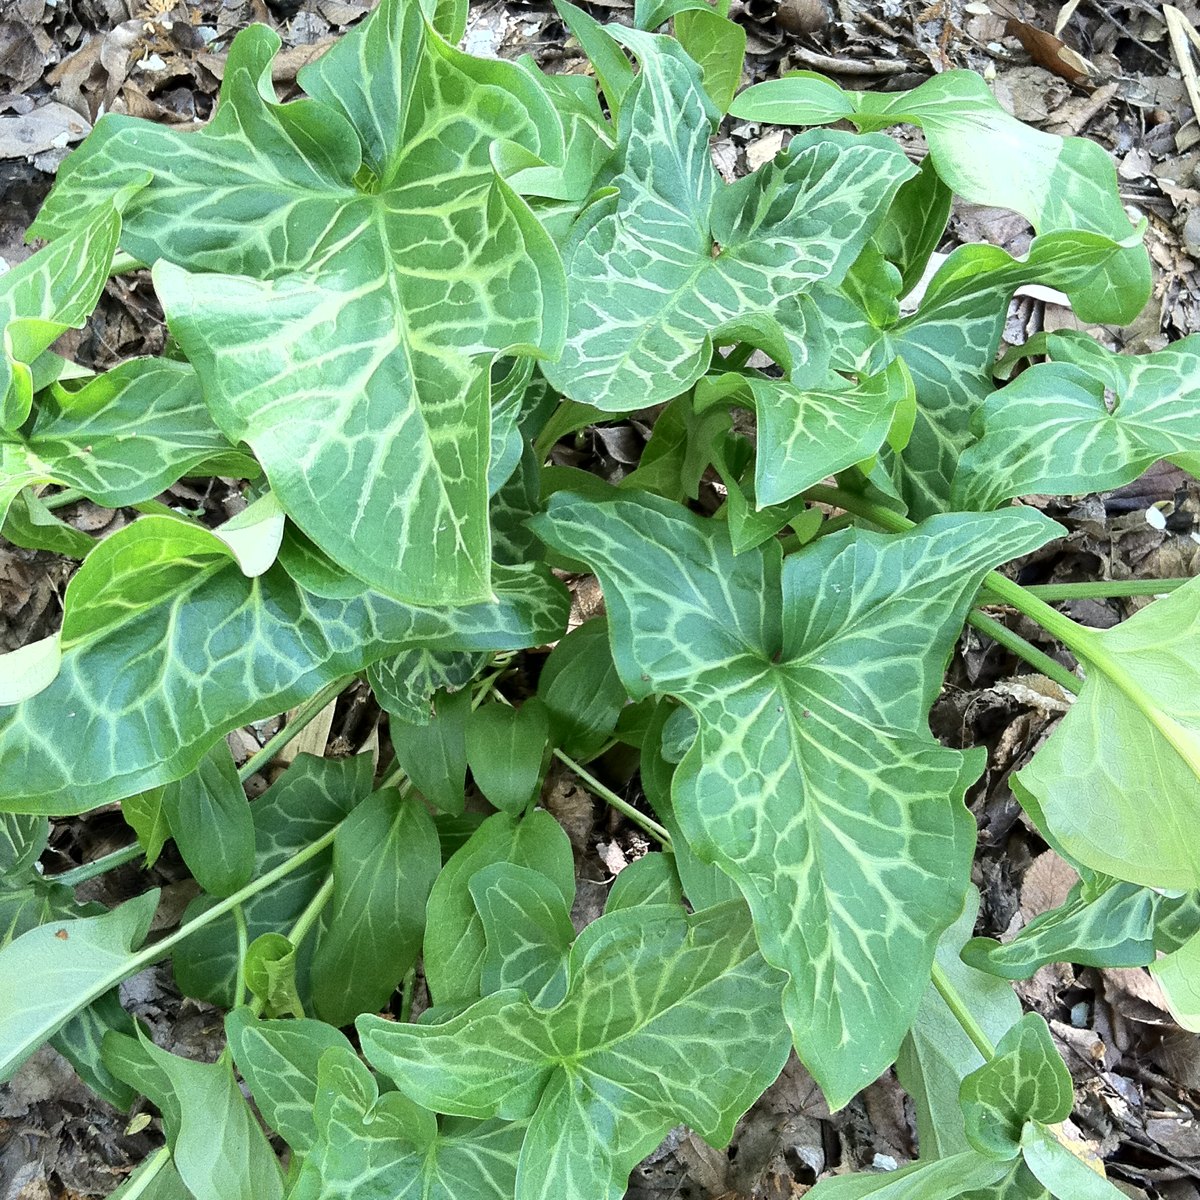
(1046, 884)
(1051, 53)
(50, 127)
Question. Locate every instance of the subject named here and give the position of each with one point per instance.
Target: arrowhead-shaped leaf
(815, 782)
(376, 1147)
(1027, 1080)
(1103, 923)
(167, 646)
(1118, 783)
(949, 346)
(669, 259)
(805, 434)
(1051, 430)
(121, 438)
(668, 1018)
(349, 335)
(1064, 1175)
(987, 157)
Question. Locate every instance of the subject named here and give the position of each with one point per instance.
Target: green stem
(1109, 589)
(312, 911)
(958, 1007)
(651, 826)
(81, 874)
(123, 263)
(852, 502)
(243, 944)
(1001, 633)
(406, 995)
(305, 715)
(62, 499)
(147, 1174)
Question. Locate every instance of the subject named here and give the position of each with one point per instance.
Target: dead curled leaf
(1051, 53)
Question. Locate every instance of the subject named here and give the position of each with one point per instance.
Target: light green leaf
(144, 814)
(1106, 924)
(914, 225)
(668, 1018)
(505, 748)
(1064, 1175)
(53, 290)
(717, 45)
(669, 260)
(455, 942)
(987, 157)
(27, 670)
(434, 754)
(54, 971)
(405, 684)
(346, 318)
(937, 1054)
(305, 802)
(278, 1060)
(613, 72)
(153, 1180)
(1117, 785)
(815, 782)
(209, 818)
(167, 646)
(385, 1148)
(949, 346)
(808, 433)
(1051, 429)
(30, 524)
(944, 1179)
(385, 859)
(217, 1146)
(23, 837)
(270, 971)
(527, 926)
(121, 438)
(1025, 1081)
(1178, 974)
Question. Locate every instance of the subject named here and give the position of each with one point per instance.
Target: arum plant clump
(388, 300)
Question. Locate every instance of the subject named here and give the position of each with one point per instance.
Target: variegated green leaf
(167, 646)
(805, 434)
(1027, 1080)
(405, 684)
(376, 1147)
(120, 438)
(949, 346)
(1102, 923)
(668, 1018)
(815, 782)
(347, 328)
(987, 157)
(1117, 785)
(1052, 429)
(55, 290)
(669, 260)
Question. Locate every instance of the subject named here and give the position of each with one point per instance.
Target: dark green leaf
(651, 879)
(505, 748)
(434, 755)
(209, 818)
(79, 1041)
(582, 690)
(405, 684)
(23, 837)
(385, 859)
(455, 943)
